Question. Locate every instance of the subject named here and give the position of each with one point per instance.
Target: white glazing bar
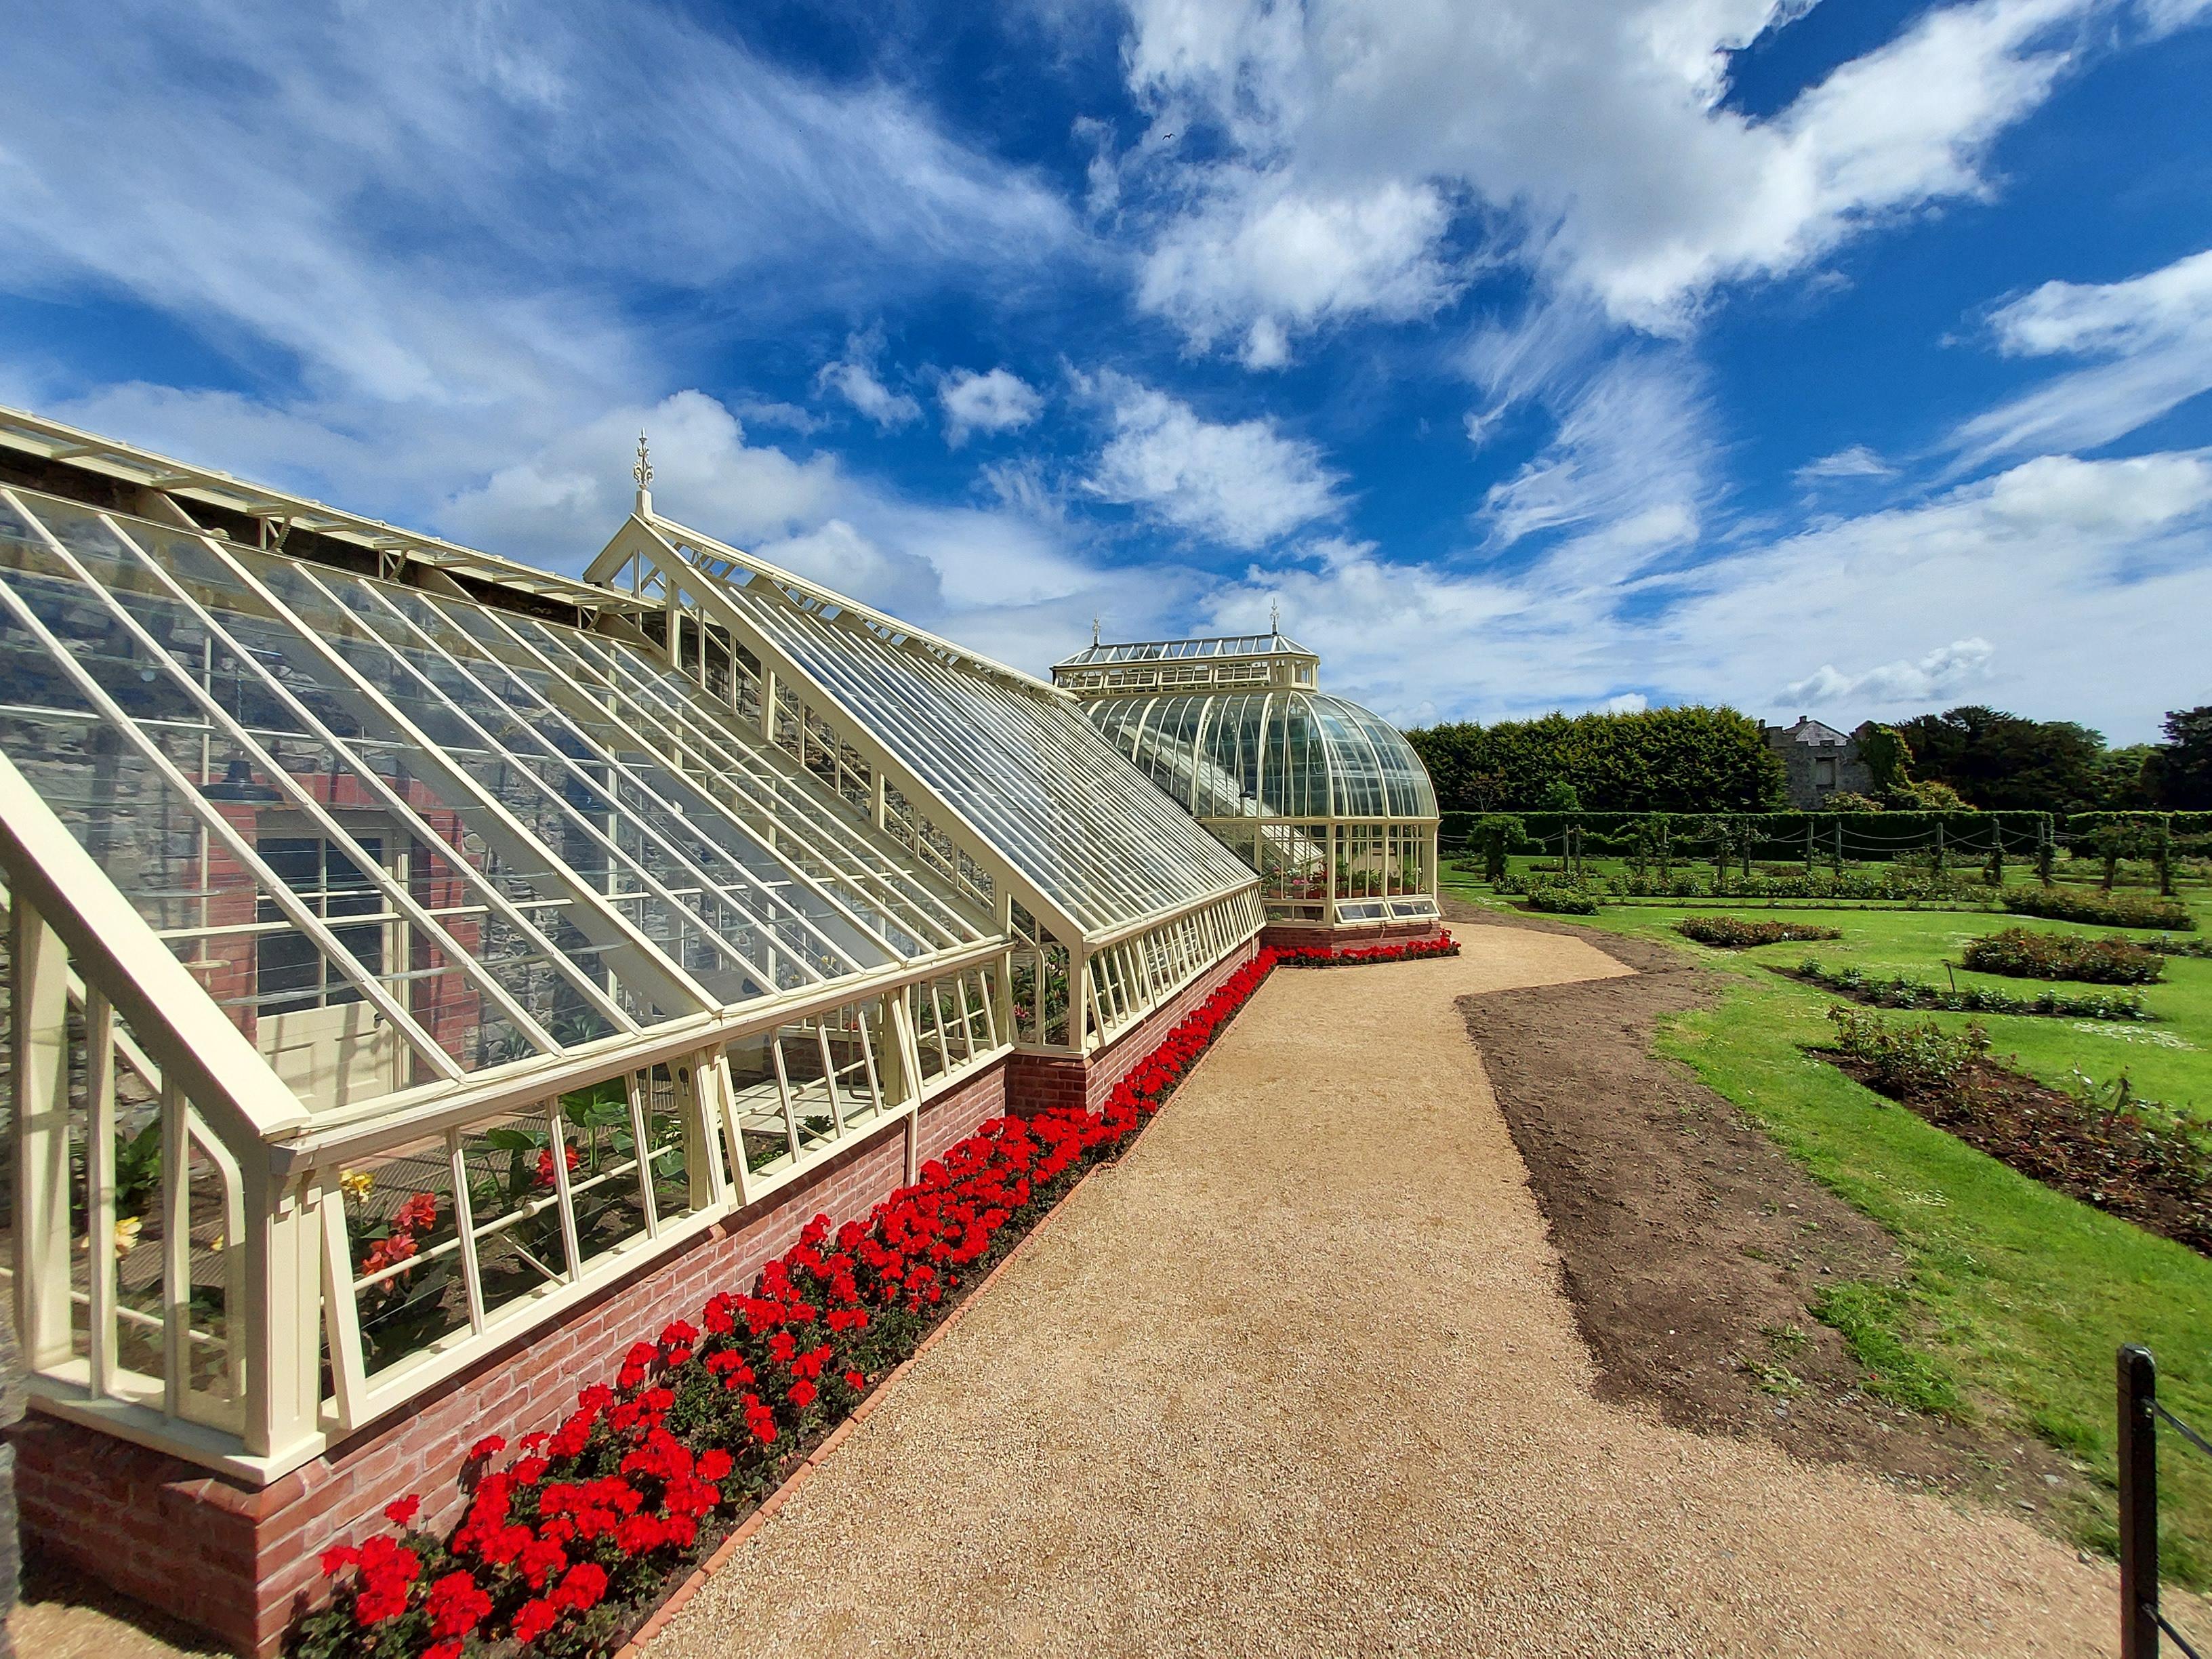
(100, 1181)
(464, 1228)
(176, 1254)
(371, 868)
(638, 825)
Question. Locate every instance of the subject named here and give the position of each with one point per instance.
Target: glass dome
(1275, 754)
(1327, 801)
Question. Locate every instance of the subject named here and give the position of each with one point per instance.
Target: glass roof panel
(1242, 645)
(504, 836)
(1023, 767)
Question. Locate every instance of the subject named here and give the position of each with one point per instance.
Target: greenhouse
(1326, 800)
(408, 945)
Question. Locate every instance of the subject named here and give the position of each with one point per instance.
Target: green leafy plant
(1907, 1056)
(1734, 933)
(2020, 953)
(2069, 904)
(1902, 993)
(1560, 899)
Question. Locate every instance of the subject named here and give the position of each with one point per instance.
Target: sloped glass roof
(1243, 644)
(1269, 754)
(287, 767)
(1016, 760)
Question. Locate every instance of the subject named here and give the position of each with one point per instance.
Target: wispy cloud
(853, 378)
(2149, 340)
(1856, 461)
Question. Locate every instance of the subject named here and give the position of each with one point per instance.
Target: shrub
(2021, 954)
(1560, 899)
(2166, 945)
(1903, 992)
(1907, 1056)
(2063, 904)
(1734, 933)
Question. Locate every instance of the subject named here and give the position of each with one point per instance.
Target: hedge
(2177, 823)
(1781, 835)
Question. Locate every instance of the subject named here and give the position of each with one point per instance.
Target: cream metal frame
(254, 1186)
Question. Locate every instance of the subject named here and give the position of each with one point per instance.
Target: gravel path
(1297, 1377)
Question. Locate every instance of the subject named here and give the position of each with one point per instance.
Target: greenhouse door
(329, 1046)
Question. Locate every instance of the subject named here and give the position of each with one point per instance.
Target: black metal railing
(2141, 1623)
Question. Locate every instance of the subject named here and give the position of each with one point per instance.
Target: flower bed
(565, 1546)
(1734, 933)
(1902, 993)
(2069, 904)
(2136, 1160)
(2019, 953)
(1420, 950)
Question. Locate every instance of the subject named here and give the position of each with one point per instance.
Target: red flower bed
(565, 1543)
(1418, 949)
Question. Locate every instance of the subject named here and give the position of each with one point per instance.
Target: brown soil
(2159, 1178)
(1692, 1245)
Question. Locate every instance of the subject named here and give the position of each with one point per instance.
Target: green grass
(2015, 1298)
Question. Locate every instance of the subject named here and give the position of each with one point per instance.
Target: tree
(1658, 760)
(1999, 760)
(1559, 796)
(2179, 771)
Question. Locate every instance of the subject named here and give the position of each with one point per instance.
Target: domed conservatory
(1324, 798)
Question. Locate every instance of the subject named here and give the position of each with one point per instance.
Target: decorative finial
(643, 470)
(1275, 618)
(1094, 630)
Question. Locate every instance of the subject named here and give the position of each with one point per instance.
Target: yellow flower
(358, 1184)
(126, 1236)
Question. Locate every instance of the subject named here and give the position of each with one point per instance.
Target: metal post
(2138, 1380)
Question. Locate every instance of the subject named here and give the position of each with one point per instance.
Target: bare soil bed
(2158, 1177)
(1691, 1246)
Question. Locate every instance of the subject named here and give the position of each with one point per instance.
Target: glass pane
(404, 1252)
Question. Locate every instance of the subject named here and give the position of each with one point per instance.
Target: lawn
(2016, 1297)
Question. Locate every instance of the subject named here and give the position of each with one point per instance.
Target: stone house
(1818, 761)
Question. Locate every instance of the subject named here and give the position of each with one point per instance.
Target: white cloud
(1941, 674)
(1265, 258)
(1856, 462)
(2069, 588)
(1627, 703)
(853, 377)
(429, 204)
(1589, 137)
(1000, 401)
(2151, 338)
(1242, 483)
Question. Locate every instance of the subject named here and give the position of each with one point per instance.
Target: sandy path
(1297, 1377)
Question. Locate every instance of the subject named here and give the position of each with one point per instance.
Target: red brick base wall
(1344, 936)
(241, 1562)
(1037, 1082)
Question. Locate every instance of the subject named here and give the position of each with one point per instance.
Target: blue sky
(1845, 357)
